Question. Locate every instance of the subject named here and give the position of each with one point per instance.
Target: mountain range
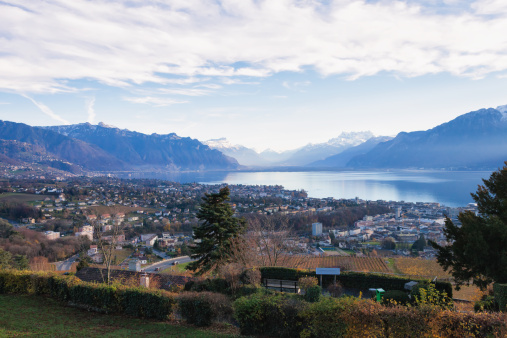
(105, 148)
(295, 157)
(476, 140)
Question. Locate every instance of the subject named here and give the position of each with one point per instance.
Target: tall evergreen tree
(478, 248)
(214, 236)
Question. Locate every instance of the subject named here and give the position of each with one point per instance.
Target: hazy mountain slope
(340, 160)
(149, 151)
(474, 140)
(60, 146)
(315, 152)
(245, 156)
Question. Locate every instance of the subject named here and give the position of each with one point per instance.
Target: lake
(451, 188)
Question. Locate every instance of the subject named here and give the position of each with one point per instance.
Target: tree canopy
(215, 235)
(477, 251)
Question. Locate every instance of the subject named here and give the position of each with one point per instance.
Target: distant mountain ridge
(295, 157)
(476, 140)
(105, 148)
(60, 146)
(319, 151)
(149, 151)
(342, 159)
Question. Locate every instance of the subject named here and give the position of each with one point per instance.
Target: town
(162, 214)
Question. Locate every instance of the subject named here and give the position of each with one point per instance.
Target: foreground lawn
(29, 316)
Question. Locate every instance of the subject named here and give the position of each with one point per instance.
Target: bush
(219, 285)
(202, 308)
(96, 297)
(335, 289)
(269, 314)
(313, 294)
(427, 294)
(500, 291)
(307, 282)
(395, 297)
(349, 279)
(487, 303)
(251, 277)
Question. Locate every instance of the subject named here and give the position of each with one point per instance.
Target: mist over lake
(450, 188)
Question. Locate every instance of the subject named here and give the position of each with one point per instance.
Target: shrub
(500, 291)
(427, 294)
(487, 303)
(307, 282)
(333, 317)
(202, 308)
(351, 279)
(335, 289)
(251, 277)
(269, 314)
(219, 285)
(313, 294)
(395, 297)
(97, 297)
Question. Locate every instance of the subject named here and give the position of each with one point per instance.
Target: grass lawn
(121, 255)
(179, 268)
(19, 197)
(33, 316)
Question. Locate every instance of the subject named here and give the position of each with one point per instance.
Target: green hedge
(138, 302)
(500, 291)
(281, 315)
(269, 315)
(350, 279)
(202, 308)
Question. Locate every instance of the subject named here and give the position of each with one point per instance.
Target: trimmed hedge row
(350, 279)
(500, 291)
(286, 316)
(137, 302)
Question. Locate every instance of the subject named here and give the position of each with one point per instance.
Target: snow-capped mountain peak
(221, 144)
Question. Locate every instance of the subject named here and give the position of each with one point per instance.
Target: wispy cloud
(154, 101)
(90, 110)
(297, 86)
(126, 43)
(46, 110)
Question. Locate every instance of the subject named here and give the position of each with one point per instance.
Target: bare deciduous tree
(269, 241)
(106, 244)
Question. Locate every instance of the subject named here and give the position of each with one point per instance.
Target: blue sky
(265, 74)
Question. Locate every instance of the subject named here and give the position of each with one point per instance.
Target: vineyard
(416, 267)
(347, 263)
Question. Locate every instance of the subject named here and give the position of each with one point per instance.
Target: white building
(52, 234)
(316, 229)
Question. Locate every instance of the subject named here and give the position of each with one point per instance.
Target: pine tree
(478, 250)
(213, 238)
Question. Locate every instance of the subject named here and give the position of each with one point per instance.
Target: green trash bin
(380, 294)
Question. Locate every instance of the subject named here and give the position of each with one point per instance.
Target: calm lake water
(451, 188)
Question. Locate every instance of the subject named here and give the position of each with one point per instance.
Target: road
(66, 264)
(167, 264)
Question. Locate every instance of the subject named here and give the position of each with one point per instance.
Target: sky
(275, 74)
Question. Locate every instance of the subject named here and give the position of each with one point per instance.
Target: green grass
(20, 197)
(372, 243)
(392, 265)
(33, 316)
(179, 268)
(121, 255)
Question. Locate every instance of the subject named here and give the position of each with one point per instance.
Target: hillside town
(162, 214)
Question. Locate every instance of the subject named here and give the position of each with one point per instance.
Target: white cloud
(46, 110)
(154, 101)
(126, 43)
(90, 110)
